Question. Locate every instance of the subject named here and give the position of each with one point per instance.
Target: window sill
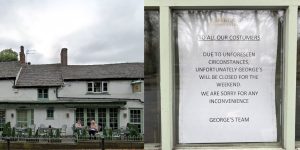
(43, 99)
(49, 118)
(97, 93)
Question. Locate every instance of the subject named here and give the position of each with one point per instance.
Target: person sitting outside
(93, 129)
(78, 126)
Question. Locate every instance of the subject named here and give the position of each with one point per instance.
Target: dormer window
(97, 87)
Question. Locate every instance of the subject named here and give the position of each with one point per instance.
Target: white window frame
(141, 118)
(167, 84)
(43, 93)
(102, 89)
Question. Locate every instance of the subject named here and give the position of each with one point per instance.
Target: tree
(8, 55)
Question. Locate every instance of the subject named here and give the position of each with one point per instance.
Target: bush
(57, 135)
(7, 132)
(29, 132)
(133, 130)
(107, 132)
(13, 132)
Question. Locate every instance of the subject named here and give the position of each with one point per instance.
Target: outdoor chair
(116, 133)
(63, 129)
(32, 126)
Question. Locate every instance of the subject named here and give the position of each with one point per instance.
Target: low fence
(72, 139)
(111, 138)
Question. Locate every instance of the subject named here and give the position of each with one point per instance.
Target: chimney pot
(22, 55)
(64, 56)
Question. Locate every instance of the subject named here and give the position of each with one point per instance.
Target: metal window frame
(167, 60)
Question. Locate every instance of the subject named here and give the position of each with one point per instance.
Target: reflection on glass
(152, 90)
(298, 84)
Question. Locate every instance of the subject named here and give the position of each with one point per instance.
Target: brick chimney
(22, 55)
(64, 56)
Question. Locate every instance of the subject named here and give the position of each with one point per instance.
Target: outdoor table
(20, 131)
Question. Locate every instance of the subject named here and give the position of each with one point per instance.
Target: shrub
(57, 135)
(7, 130)
(13, 132)
(29, 132)
(133, 130)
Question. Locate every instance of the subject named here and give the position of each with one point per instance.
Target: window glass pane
(50, 113)
(151, 81)
(90, 87)
(90, 114)
(80, 115)
(22, 118)
(102, 117)
(135, 118)
(45, 95)
(113, 118)
(228, 63)
(104, 86)
(97, 87)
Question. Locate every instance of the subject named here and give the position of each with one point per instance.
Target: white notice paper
(227, 64)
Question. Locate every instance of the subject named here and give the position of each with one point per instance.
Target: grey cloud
(116, 36)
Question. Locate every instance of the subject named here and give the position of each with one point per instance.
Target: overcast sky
(94, 31)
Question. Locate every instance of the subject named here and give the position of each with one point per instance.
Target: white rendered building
(60, 94)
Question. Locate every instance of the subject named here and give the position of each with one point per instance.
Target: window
(24, 118)
(2, 119)
(135, 118)
(113, 118)
(104, 86)
(106, 117)
(43, 93)
(50, 113)
(80, 115)
(97, 87)
(90, 114)
(152, 107)
(102, 117)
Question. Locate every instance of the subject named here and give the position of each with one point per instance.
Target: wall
(116, 89)
(60, 118)
(128, 106)
(8, 117)
(7, 93)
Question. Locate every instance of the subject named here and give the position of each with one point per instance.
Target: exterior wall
(7, 93)
(120, 89)
(9, 118)
(60, 118)
(116, 89)
(130, 105)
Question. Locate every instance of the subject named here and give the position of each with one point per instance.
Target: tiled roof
(108, 71)
(54, 74)
(9, 69)
(40, 75)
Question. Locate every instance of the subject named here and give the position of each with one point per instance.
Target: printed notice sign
(227, 65)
